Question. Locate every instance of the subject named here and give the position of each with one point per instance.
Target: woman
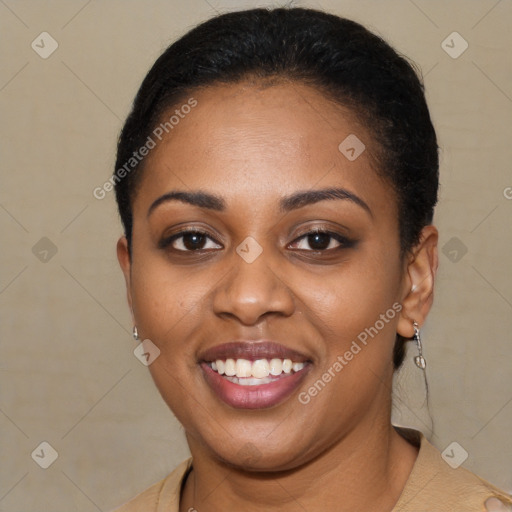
(276, 180)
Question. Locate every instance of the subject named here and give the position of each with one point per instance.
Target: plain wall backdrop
(69, 375)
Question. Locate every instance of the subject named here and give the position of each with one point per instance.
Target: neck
(366, 470)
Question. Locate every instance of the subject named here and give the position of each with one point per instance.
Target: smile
(240, 371)
(253, 381)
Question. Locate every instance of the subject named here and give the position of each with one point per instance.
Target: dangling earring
(419, 360)
(135, 333)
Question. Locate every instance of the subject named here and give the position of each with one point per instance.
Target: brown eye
(318, 240)
(189, 241)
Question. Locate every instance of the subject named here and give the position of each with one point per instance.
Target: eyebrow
(286, 204)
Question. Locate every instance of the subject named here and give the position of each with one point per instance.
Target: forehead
(264, 140)
(289, 120)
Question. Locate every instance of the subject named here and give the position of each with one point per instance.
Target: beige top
(432, 486)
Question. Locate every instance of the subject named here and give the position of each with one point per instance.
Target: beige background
(69, 376)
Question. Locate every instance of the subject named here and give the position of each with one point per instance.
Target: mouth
(253, 375)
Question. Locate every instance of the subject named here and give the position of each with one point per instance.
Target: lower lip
(254, 397)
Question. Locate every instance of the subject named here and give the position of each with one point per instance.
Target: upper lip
(251, 350)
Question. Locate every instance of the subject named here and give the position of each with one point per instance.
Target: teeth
(249, 381)
(230, 368)
(243, 368)
(297, 367)
(260, 368)
(251, 373)
(287, 365)
(276, 366)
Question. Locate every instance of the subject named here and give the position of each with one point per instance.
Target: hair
(340, 58)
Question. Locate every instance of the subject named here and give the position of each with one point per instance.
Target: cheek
(169, 305)
(352, 298)
(354, 315)
(164, 295)
(354, 312)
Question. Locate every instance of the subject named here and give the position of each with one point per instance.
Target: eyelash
(344, 242)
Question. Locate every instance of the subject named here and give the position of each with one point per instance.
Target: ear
(418, 287)
(123, 256)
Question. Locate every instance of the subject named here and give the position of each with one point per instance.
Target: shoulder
(162, 496)
(439, 484)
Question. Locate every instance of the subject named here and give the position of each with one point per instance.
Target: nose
(251, 290)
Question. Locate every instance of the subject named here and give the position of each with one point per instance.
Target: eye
(189, 241)
(322, 240)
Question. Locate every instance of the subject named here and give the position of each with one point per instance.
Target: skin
(253, 145)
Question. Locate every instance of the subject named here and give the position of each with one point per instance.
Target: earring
(135, 333)
(419, 360)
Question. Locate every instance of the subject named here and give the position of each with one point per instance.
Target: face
(280, 251)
